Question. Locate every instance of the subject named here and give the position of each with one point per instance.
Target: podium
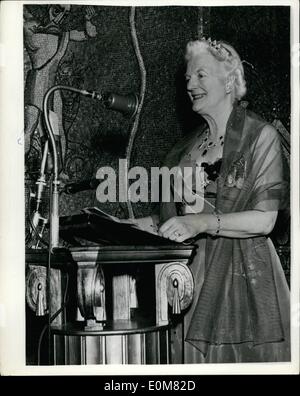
(121, 301)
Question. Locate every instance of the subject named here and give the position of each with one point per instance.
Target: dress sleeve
(270, 190)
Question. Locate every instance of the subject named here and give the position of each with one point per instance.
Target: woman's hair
(224, 53)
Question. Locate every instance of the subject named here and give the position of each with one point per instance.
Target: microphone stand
(127, 105)
(54, 195)
(36, 218)
(54, 209)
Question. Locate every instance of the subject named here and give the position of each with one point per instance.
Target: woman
(240, 311)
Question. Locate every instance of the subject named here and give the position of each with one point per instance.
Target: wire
(141, 101)
(48, 291)
(28, 237)
(36, 233)
(54, 316)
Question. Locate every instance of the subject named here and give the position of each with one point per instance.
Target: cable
(28, 237)
(141, 101)
(36, 233)
(50, 320)
(48, 291)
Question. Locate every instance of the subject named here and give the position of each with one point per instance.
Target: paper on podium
(97, 226)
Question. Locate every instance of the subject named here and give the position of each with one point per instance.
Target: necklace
(208, 144)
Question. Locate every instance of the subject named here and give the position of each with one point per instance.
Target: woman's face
(205, 83)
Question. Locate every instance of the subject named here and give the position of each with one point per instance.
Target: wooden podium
(121, 300)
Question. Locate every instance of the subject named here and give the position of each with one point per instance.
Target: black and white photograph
(159, 185)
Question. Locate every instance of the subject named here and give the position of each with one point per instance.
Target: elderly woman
(240, 311)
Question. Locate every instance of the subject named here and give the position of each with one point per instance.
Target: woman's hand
(180, 228)
(245, 224)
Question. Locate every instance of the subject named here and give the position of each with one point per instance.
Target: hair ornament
(217, 49)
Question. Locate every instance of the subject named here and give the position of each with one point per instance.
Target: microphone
(91, 94)
(127, 105)
(90, 184)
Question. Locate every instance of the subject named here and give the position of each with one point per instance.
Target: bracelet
(218, 224)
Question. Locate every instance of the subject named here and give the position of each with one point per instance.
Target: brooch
(237, 173)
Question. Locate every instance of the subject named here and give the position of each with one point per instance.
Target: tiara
(217, 49)
(220, 52)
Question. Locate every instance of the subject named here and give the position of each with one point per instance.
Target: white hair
(224, 53)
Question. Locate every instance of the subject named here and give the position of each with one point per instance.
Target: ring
(176, 233)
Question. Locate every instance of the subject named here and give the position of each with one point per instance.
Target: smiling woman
(241, 304)
(209, 83)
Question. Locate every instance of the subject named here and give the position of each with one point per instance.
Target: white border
(12, 268)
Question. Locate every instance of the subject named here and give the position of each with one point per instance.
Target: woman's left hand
(180, 228)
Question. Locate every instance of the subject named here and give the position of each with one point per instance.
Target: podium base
(120, 342)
